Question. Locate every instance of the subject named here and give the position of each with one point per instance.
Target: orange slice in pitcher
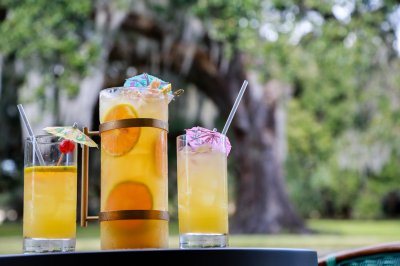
(120, 141)
(129, 195)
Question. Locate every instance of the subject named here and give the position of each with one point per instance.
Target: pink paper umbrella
(198, 136)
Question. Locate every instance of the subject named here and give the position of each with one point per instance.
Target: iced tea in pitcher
(134, 169)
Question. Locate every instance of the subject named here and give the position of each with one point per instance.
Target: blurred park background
(316, 138)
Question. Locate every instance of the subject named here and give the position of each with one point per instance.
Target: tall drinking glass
(134, 168)
(50, 196)
(202, 195)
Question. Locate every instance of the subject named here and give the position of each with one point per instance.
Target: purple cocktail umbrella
(198, 136)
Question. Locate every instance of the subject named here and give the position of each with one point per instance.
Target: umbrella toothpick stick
(60, 160)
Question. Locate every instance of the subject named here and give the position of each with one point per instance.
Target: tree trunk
(262, 202)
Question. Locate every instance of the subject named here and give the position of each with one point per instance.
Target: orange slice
(120, 141)
(129, 195)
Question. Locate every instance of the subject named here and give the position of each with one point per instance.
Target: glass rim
(156, 93)
(127, 88)
(182, 137)
(110, 90)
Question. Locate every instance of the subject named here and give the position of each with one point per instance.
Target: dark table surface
(190, 257)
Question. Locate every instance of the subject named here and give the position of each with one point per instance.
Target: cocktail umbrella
(72, 133)
(148, 81)
(198, 136)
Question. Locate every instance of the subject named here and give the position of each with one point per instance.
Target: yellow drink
(50, 202)
(134, 170)
(202, 190)
(202, 196)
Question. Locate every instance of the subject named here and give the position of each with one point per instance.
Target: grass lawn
(331, 236)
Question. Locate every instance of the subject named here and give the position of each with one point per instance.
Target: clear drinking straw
(235, 106)
(30, 131)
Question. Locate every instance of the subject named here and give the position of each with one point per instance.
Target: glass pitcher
(134, 170)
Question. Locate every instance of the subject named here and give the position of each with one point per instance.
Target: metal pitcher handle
(85, 181)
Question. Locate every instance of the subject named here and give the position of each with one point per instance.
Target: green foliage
(45, 34)
(228, 21)
(376, 188)
(310, 144)
(344, 77)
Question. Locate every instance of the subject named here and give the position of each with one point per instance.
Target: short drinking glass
(50, 195)
(202, 195)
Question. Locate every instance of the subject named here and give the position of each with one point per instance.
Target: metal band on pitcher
(133, 215)
(133, 122)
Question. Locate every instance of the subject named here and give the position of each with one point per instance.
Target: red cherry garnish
(67, 146)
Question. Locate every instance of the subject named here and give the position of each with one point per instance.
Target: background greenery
(343, 115)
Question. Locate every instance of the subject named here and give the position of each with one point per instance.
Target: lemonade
(50, 202)
(50, 195)
(134, 170)
(203, 205)
(202, 194)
